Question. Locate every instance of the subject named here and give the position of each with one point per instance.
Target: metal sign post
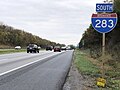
(103, 45)
(103, 54)
(104, 23)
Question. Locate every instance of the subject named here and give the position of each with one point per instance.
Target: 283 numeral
(104, 23)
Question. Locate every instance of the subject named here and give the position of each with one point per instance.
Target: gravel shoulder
(77, 81)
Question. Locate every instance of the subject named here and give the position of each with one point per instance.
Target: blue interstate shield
(104, 23)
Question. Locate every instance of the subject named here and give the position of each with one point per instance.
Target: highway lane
(14, 55)
(9, 62)
(47, 75)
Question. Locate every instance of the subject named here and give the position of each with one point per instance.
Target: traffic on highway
(60, 45)
(45, 70)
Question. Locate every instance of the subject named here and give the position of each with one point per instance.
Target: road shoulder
(76, 81)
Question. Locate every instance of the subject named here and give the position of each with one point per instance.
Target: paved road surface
(43, 71)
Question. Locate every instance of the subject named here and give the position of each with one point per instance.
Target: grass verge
(6, 51)
(87, 66)
(84, 66)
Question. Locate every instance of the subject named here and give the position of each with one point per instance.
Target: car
(32, 48)
(57, 49)
(49, 48)
(68, 48)
(63, 48)
(17, 47)
(39, 47)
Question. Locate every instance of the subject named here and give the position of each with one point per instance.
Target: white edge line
(24, 65)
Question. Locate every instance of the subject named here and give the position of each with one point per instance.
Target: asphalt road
(43, 71)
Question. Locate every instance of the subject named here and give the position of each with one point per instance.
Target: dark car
(57, 49)
(32, 48)
(49, 48)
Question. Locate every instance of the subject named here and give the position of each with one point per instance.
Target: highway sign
(104, 23)
(104, 7)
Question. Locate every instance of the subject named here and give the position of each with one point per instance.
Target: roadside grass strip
(6, 51)
(84, 66)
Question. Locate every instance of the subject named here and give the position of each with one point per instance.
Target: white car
(63, 48)
(39, 47)
(18, 47)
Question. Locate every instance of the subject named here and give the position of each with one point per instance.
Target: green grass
(6, 51)
(84, 65)
(113, 79)
(113, 84)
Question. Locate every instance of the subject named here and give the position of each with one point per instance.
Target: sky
(61, 21)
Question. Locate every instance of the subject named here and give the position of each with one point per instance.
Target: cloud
(62, 21)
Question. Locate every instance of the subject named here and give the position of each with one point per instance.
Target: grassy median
(5, 51)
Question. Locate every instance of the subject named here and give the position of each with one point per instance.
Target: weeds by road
(89, 70)
(92, 67)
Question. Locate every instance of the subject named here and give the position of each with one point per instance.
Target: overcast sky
(61, 21)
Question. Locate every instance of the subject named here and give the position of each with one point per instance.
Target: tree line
(92, 40)
(12, 37)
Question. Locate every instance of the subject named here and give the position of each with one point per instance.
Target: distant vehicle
(63, 48)
(49, 48)
(17, 47)
(68, 48)
(32, 48)
(57, 49)
(39, 47)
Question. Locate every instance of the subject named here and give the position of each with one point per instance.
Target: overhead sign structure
(104, 7)
(104, 22)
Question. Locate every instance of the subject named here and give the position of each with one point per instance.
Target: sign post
(103, 54)
(103, 23)
(103, 45)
